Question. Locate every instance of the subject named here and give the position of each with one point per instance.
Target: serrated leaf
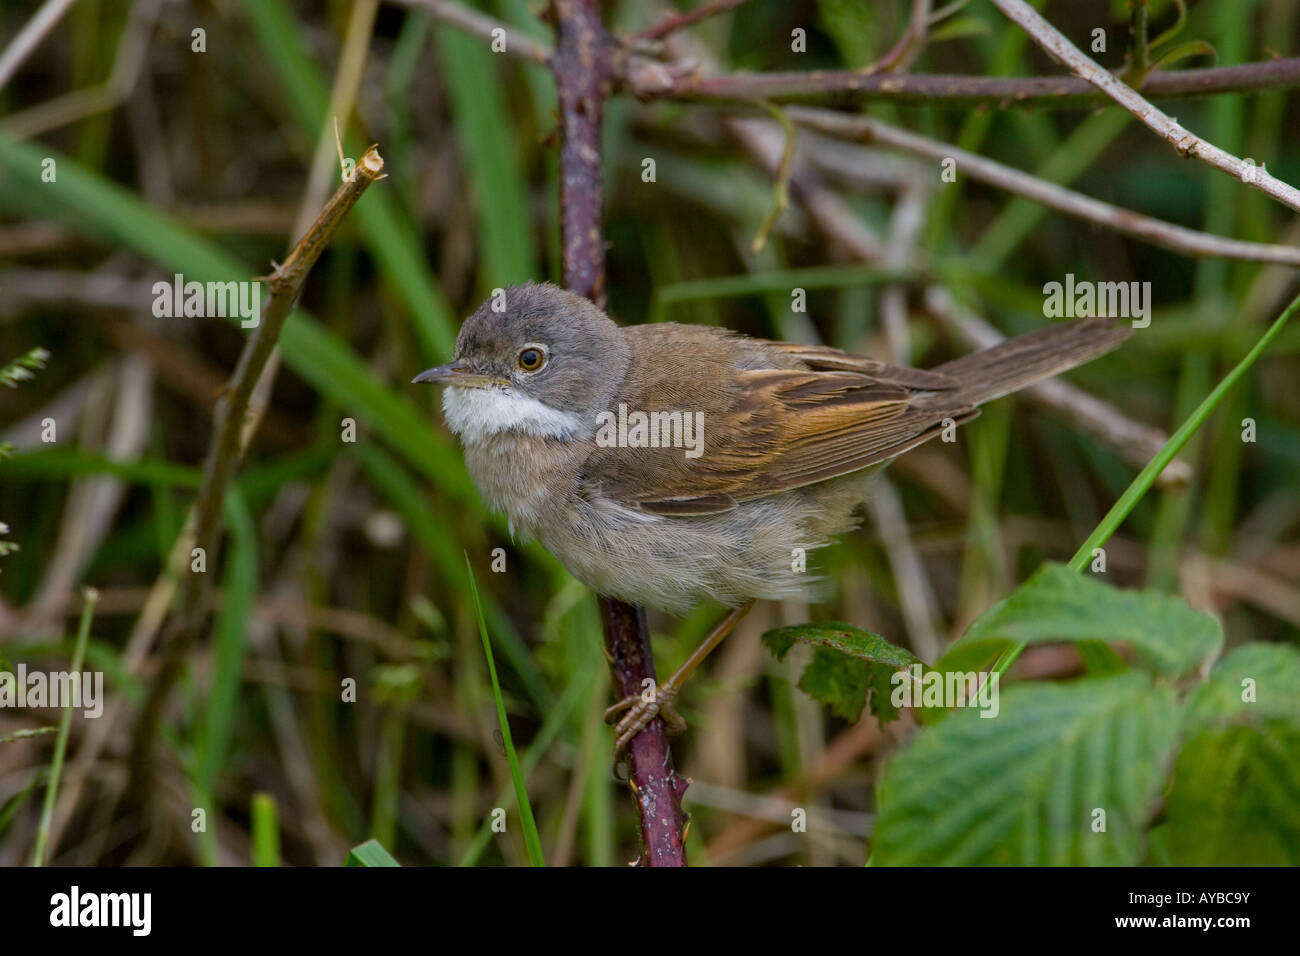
(1235, 799)
(1022, 788)
(845, 638)
(846, 665)
(1057, 604)
(1273, 673)
(837, 681)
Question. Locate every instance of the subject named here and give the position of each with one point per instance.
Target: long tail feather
(991, 373)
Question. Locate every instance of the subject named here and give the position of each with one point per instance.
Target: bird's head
(533, 359)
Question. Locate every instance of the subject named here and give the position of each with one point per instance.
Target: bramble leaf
(1057, 604)
(849, 666)
(1066, 774)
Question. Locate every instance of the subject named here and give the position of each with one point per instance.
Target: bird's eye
(531, 359)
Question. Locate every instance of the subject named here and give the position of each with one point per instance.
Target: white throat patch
(476, 413)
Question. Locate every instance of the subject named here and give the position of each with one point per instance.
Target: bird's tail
(1011, 365)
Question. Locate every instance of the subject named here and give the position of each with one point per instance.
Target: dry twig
(1166, 235)
(1060, 49)
(230, 438)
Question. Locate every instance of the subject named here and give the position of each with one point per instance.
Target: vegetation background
(347, 560)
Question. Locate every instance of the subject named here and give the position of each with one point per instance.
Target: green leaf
(1256, 682)
(370, 853)
(1057, 604)
(1023, 788)
(45, 464)
(847, 663)
(21, 368)
(1236, 785)
(1234, 798)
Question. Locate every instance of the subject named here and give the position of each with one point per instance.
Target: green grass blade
(1146, 478)
(390, 236)
(532, 842)
(92, 205)
(65, 724)
(239, 588)
(265, 831)
(505, 229)
(546, 735)
(405, 497)
(370, 853)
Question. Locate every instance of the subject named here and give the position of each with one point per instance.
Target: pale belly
(762, 548)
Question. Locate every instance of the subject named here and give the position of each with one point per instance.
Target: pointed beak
(454, 373)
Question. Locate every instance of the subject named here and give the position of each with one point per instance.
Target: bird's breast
(527, 477)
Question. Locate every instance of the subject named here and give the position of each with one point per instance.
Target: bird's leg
(639, 709)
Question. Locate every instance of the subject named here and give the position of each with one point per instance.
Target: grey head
(534, 359)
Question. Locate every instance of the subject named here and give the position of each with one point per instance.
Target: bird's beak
(455, 373)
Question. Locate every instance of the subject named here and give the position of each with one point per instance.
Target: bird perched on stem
(667, 464)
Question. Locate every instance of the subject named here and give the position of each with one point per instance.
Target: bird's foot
(638, 710)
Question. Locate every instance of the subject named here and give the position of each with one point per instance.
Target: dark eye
(531, 359)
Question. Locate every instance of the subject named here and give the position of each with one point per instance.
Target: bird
(667, 465)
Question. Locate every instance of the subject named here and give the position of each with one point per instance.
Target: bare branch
(30, 36)
(1059, 48)
(1049, 92)
(1167, 235)
(128, 60)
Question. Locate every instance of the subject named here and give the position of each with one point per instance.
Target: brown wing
(823, 358)
(775, 417)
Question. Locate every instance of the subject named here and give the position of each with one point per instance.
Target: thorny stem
(226, 451)
(583, 68)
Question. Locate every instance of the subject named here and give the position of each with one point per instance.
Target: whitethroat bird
(669, 464)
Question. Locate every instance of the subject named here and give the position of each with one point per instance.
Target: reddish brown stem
(583, 68)
(657, 788)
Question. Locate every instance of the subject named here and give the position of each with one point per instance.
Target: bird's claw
(637, 713)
